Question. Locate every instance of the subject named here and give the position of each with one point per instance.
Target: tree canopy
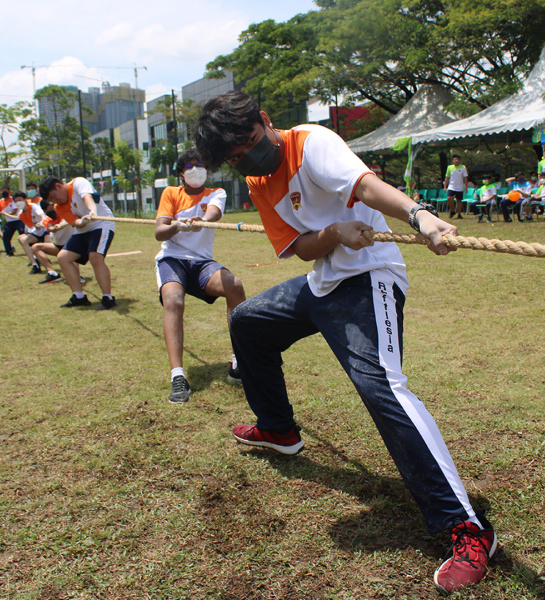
(382, 51)
(56, 142)
(10, 117)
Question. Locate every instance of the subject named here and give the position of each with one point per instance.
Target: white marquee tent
(524, 110)
(426, 109)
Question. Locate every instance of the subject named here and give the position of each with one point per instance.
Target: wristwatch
(413, 221)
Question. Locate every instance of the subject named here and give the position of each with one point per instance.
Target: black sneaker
(106, 303)
(481, 218)
(180, 390)
(75, 301)
(51, 278)
(234, 374)
(459, 216)
(452, 213)
(35, 269)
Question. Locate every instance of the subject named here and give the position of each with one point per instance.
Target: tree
(55, 143)
(127, 161)
(102, 154)
(162, 157)
(382, 51)
(10, 117)
(273, 62)
(184, 115)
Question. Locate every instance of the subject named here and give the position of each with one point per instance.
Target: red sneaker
(471, 548)
(286, 443)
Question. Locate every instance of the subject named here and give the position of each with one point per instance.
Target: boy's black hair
(225, 121)
(32, 184)
(44, 204)
(19, 194)
(47, 185)
(187, 157)
(456, 156)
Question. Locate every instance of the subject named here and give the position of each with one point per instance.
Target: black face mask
(263, 159)
(5, 194)
(51, 214)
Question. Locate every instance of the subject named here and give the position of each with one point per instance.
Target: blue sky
(85, 44)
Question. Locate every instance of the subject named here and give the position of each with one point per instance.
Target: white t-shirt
(77, 189)
(176, 204)
(37, 215)
(313, 188)
(61, 236)
(456, 178)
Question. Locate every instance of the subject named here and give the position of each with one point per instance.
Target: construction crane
(33, 68)
(102, 81)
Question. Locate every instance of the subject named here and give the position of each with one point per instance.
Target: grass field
(108, 491)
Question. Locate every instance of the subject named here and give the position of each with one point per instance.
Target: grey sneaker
(180, 390)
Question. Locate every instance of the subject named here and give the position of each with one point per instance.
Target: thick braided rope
(204, 224)
(452, 241)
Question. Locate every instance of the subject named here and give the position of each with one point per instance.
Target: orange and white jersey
(314, 187)
(8, 204)
(33, 215)
(61, 236)
(76, 207)
(176, 203)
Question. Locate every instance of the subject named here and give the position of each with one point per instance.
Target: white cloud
(120, 31)
(157, 89)
(153, 42)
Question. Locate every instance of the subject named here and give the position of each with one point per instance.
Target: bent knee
(240, 316)
(235, 287)
(173, 301)
(95, 258)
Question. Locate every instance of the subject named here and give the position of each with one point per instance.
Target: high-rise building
(111, 106)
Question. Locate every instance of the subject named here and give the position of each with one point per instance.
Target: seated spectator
(518, 195)
(487, 197)
(537, 199)
(532, 185)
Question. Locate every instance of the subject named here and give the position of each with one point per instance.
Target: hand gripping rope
(452, 241)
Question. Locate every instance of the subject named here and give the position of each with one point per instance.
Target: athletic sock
(234, 363)
(175, 372)
(54, 273)
(108, 296)
(79, 294)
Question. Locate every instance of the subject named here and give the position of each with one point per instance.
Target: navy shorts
(39, 237)
(457, 195)
(96, 240)
(192, 275)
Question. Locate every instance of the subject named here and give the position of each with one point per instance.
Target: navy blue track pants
(362, 321)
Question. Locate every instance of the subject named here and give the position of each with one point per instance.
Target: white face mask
(196, 176)
(20, 204)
